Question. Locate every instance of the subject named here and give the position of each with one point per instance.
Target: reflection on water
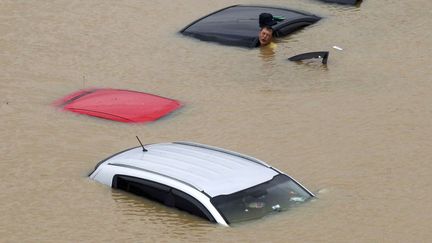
(267, 53)
(133, 205)
(313, 63)
(167, 222)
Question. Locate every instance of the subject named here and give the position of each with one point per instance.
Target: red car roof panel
(118, 105)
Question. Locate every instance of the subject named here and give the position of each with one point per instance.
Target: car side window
(147, 189)
(187, 203)
(161, 193)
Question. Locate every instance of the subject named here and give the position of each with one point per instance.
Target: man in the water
(266, 21)
(265, 36)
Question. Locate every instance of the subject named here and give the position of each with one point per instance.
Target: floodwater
(357, 132)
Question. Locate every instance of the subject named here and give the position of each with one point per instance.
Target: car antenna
(144, 150)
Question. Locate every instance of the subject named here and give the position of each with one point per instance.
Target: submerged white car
(213, 183)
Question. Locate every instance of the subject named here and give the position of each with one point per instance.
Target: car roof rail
(251, 159)
(157, 173)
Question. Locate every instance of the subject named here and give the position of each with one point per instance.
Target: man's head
(266, 21)
(265, 35)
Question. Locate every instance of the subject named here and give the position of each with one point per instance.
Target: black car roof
(238, 25)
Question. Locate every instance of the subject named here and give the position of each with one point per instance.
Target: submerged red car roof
(118, 105)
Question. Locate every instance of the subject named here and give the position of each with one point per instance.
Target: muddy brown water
(357, 131)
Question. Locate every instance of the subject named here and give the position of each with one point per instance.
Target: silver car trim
(160, 174)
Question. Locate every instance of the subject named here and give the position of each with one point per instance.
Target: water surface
(357, 131)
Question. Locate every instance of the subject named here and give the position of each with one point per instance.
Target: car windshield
(278, 194)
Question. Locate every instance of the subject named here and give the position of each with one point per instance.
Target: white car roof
(212, 170)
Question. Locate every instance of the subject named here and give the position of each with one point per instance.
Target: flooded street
(357, 131)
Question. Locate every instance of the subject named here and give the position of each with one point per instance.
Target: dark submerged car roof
(238, 25)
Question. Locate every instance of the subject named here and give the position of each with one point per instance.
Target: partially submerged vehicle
(118, 104)
(219, 185)
(238, 25)
(311, 55)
